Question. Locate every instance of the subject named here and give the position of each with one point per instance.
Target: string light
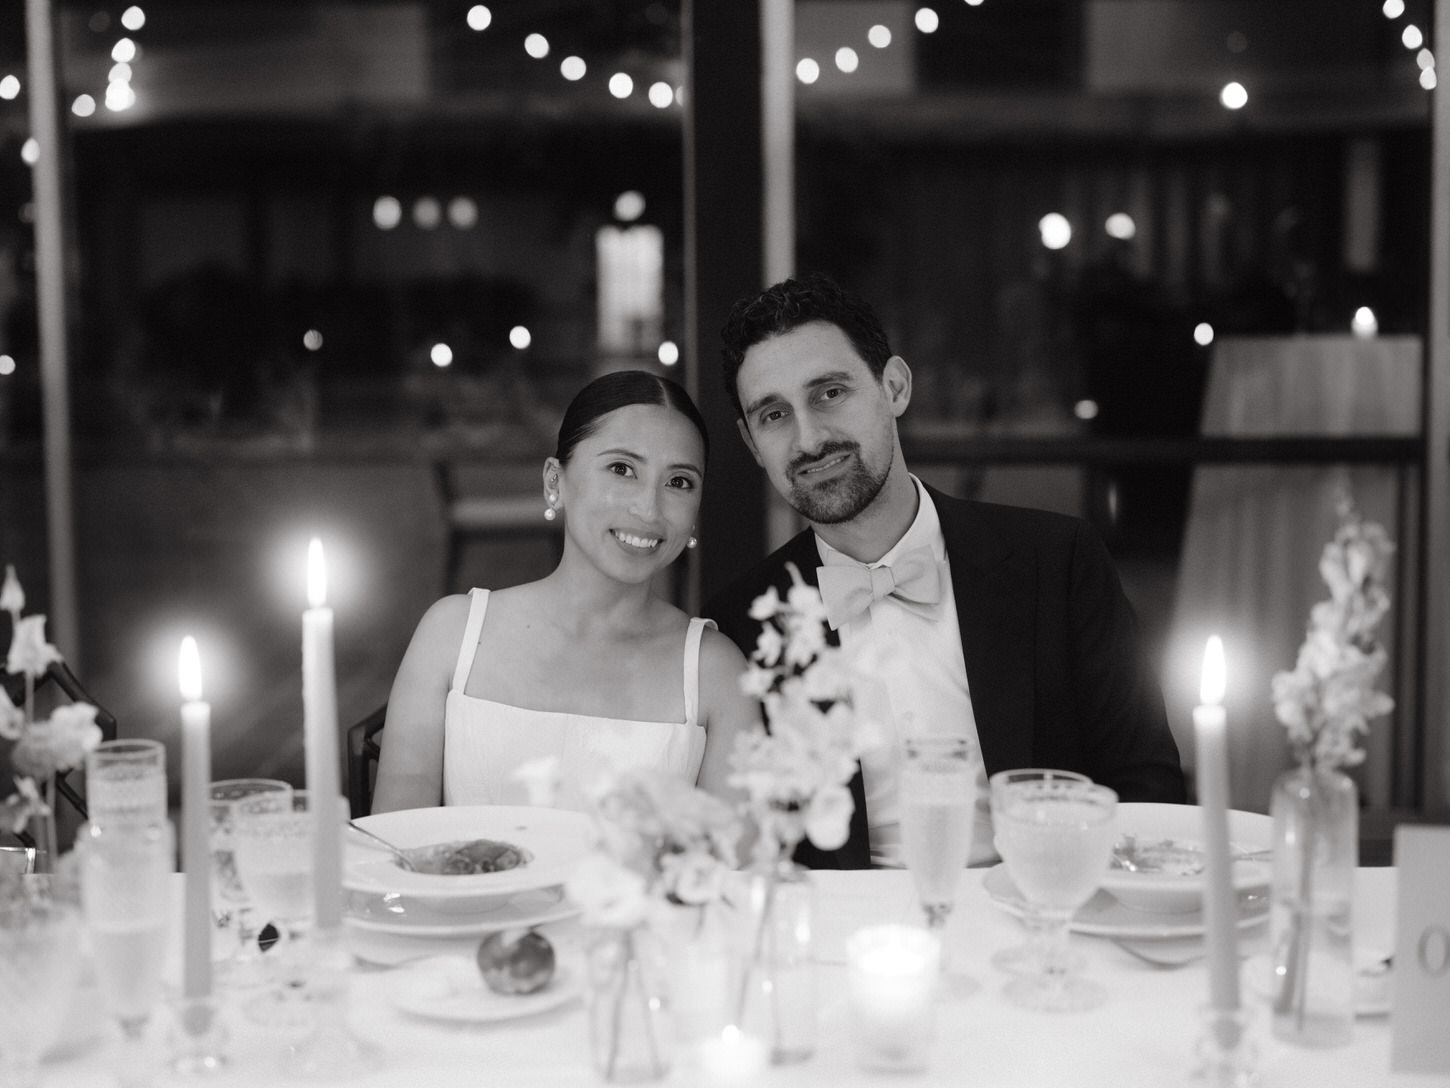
(10, 87)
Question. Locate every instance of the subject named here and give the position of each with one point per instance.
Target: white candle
(732, 1058)
(319, 716)
(1220, 901)
(195, 822)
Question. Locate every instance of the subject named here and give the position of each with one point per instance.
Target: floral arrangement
(42, 748)
(796, 774)
(1328, 699)
(661, 842)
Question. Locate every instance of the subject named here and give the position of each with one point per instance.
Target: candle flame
(188, 670)
(316, 575)
(1211, 689)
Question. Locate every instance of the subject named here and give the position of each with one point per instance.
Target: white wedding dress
(484, 742)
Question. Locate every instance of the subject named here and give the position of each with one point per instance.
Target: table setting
(663, 935)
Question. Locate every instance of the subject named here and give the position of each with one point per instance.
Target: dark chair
(67, 683)
(486, 517)
(363, 751)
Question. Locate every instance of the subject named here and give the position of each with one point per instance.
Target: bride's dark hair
(620, 389)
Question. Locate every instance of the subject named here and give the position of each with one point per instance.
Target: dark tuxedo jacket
(1055, 666)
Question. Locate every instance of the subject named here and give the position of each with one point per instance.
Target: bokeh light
(621, 85)
(536, 46)
(440, 355)
(387, 212)
(1412, 37)
(1364, 324)
(927, 20)
(807, 70)
(83, 106)
(1393, 9)
(1120, 225)
(1203, 334)
(124, 50)
(520, 337)
(7, 365)
(427, 212)
(879, 36)
(661, 95)
(312, 340)
(668, 353)
(133, 18)
(10, 87)
(30, 151)
(629, 205)
(1234, 95)
(1085, 409)
(847, 59)
(1054, 230)
(573, 68)
(479, 17)
(463, 212)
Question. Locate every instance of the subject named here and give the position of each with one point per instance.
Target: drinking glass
(272, 840)
(126, 897)
(1025, 956)
(233, 913)
(39, 961)
(1056, 837)
(938, 790)
(126, 783)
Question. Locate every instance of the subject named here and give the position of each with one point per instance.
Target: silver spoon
(403, 859)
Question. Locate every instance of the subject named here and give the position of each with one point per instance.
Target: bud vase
(1316, 851)
(42, 829)
(773, 979)
(629, 1008)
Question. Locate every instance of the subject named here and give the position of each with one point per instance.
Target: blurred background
(334, 267)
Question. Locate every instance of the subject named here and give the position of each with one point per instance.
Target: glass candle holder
(893, 977)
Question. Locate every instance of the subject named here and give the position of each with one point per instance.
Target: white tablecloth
(1144, 1035)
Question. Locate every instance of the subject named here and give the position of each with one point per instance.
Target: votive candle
(319, 716)
(1220, 901)
(893, 978)
(195, 823)
(732, 1058)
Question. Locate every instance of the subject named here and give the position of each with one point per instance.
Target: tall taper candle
(1220, 901)
(319, 715)
(195, 822)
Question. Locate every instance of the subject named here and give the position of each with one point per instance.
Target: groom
(1004, 625)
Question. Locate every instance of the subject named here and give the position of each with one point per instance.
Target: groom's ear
(749, 442)
(896, 380)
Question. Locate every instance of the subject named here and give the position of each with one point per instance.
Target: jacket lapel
(995, 592)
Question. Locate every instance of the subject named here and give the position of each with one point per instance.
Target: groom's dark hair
(790, 304)
(620, 389)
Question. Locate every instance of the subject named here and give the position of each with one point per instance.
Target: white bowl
(1167, 840)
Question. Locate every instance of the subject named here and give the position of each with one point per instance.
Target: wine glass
(232, 909)
(273, 846)
(1056, 837)
(126, 898)
(1024, 957)
(39, 961)
(938, 791)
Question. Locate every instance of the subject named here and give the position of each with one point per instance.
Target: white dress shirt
(921, 691)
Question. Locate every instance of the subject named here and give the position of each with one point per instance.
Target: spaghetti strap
(692, 668)
(477, 605)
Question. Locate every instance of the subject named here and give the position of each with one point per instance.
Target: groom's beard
(840, 498)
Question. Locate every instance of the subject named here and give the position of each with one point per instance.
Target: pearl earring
(691, 542)
(549, 512)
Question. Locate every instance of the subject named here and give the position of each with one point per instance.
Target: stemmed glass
(1056, 837)
(1025, 956)
(938, 791)
(232, 910)
(39, 961)
(126, 899)
(272, 840)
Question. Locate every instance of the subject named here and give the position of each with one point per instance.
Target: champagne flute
(126, 899)
(938, 791)
(39, 962)
(232, 910)
(1024, 957)
(1056, 837)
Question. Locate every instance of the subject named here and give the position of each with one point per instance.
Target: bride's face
(631, 490)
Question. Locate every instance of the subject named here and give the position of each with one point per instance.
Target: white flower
(20, 806)
(766, 605)
(58, 743)
(607, 893)
(12, 717)
(828, 818)
(29, 652)
(12, 597)
(541, 780)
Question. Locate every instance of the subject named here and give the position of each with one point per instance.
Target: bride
(587, 664)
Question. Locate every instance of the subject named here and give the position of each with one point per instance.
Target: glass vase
(42, 829)
(699, 957)
(629, 1023)
(1316, 851)
(773, 982)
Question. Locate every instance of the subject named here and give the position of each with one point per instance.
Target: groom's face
(820, 424)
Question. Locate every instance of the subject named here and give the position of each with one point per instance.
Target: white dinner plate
(1176, 832)
(1371, 983)
(392, 913)
(452, 988)
(555, 839)
(1105, 916)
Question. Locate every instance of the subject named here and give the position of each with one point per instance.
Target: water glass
(126, 783)
(938, 791)
(1025, 956)
(1056, 837)
(39, 962)
(126, 899)
(233, 913)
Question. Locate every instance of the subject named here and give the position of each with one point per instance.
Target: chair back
(364, 748)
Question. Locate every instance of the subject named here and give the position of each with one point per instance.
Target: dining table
(1144, 1034)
